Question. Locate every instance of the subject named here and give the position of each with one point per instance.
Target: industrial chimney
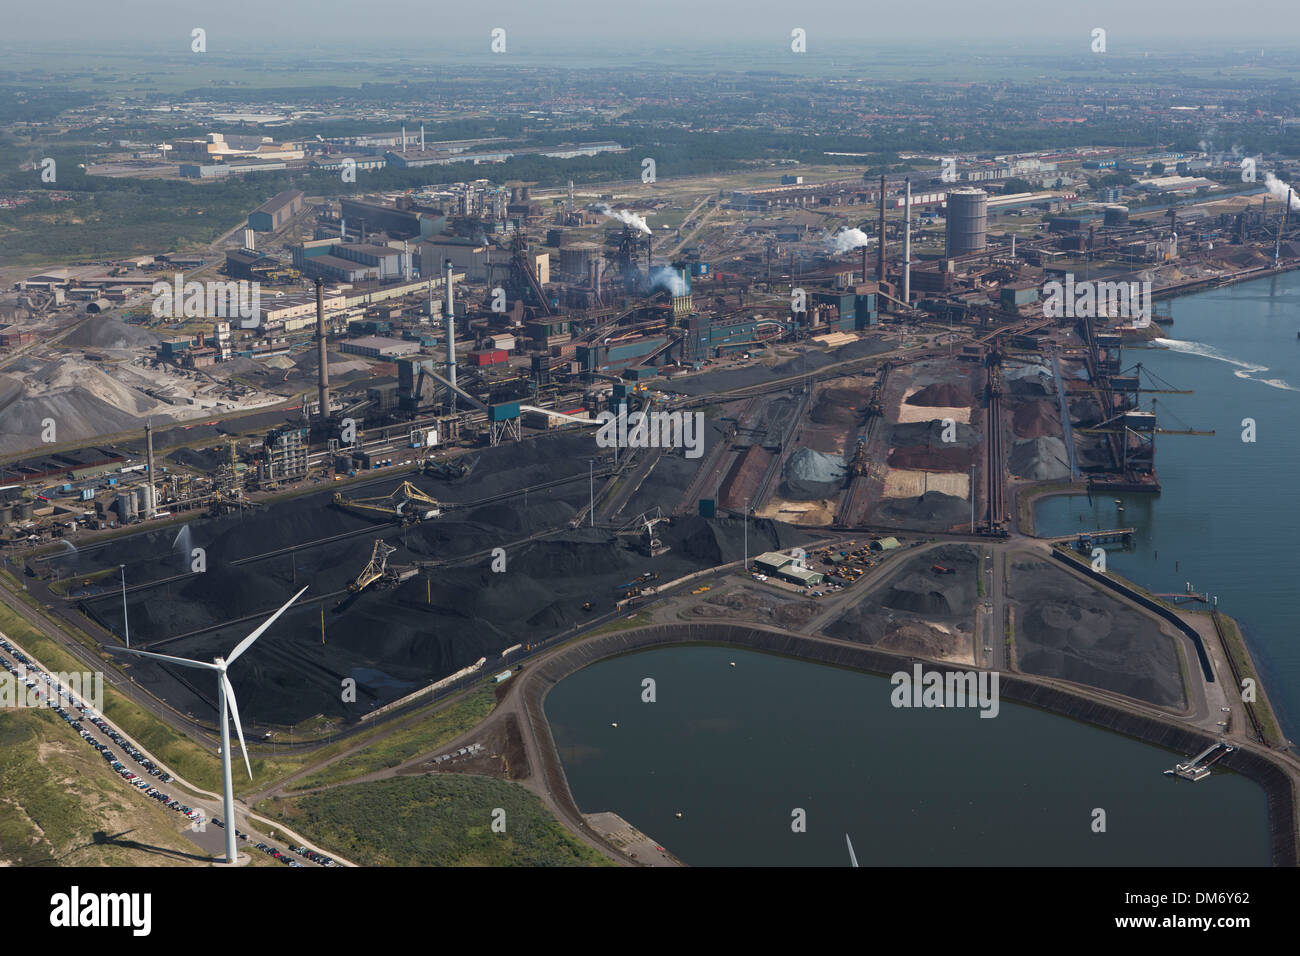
(880, 252)
(451, 330)
(323, 378)
(148, 457)
(907, 243)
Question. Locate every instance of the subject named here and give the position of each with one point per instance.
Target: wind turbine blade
(248, 641)
(234, 713)
(853, 859)
(167, 657)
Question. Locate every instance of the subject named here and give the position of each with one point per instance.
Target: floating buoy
(679, 814)
(733, 663)
(614, 724)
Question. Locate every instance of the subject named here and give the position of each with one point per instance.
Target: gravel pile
(810, 475)
(1039, 459)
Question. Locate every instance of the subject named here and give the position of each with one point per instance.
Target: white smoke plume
(848, 239)
(623, 215)
(1278, 188)
(666, 277)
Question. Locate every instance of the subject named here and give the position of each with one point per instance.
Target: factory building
(472, 258)
(399, 220)
(375, 346)
(709, 337)
(351, 261)
(276, 211)
(624, 354)
(546, 332)
(967, 225)
(218, 170)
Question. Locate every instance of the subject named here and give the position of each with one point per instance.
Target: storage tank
(24, 510)
(126, 505)
(968, 220)
(144, 500)
(1115, 216)
(575, 257)
(6, 515)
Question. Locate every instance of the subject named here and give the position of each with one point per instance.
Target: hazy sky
(533, 26)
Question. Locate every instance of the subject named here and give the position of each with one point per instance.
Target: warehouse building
(375, 346)
(783, 566)
(276, 211)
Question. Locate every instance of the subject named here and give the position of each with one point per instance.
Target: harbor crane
(405, 505)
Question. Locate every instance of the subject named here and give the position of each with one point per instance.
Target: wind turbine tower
(226, 695)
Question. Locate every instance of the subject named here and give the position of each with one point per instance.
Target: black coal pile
(932, 511)
(389, 639)
(1067, 629)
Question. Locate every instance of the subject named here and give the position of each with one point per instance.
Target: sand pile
(812, 474)
(941, 395)
(83, 402)
(1039, 459)
(1034, 419)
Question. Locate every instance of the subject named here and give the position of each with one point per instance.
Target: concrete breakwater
(1262, 769)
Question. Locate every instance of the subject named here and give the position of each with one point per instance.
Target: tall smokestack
(880, 252)
(148, 457)
(451, 331)
(323, 378)
(422, 137)
(403, 139)
(907, 243)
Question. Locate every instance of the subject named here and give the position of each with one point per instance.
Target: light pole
(746, 534)
(126, 622)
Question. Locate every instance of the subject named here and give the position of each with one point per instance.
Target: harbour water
(1226, 520)
(737, 750)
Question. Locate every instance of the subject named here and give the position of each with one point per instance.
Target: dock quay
(1084, 541)
(1198, 767)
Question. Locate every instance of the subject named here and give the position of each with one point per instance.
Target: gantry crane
(375, 569)
(405, 505)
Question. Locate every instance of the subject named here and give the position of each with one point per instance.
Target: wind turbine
(227, 696)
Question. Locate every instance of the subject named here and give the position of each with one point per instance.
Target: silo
(126, 505)
(6, 515)
(1116, 216)
(144, 500)
(968, 221)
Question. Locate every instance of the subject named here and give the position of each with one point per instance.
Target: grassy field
(436, 820)
(61, 804)
(423, 737)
